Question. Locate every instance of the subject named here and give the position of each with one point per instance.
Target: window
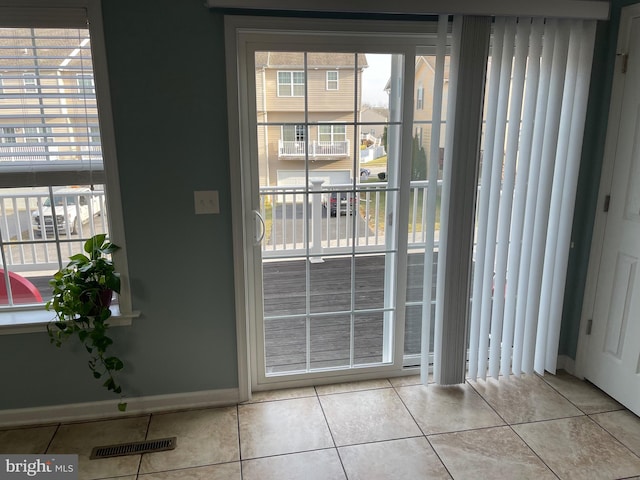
(36, 134)
(420, 98)
(30, 83)
(53, 187)
(332, 80)
(293, 133)
(7, 135)
(85, 84)
(332, 133)
(290, 84)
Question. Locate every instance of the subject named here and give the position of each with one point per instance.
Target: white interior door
(613, 353)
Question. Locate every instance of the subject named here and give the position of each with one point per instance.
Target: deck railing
(360, 223)
(316, 149)
(290, 229)
(27, 248)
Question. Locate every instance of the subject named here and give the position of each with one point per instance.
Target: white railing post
(316, 220)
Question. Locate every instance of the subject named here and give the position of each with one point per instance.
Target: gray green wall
(166, 64)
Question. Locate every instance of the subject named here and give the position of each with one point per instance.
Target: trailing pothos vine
(82, 293)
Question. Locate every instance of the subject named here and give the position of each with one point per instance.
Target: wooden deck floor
(326, 334)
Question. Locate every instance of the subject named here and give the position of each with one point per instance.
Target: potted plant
(82, 293)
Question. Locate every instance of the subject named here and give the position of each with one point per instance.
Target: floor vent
(133, 448)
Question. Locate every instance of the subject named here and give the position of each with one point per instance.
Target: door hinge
(625, 62)
(607, 201)
(589, 325)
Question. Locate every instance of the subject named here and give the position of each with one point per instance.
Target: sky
(374, 78)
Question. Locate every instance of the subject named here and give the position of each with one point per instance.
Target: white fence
(316, 149)
(371, 153)
(29, 227)
(297, 221)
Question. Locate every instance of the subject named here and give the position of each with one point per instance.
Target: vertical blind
(535, 107)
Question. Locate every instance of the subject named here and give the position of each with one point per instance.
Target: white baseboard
(109, 408)
(567, 364)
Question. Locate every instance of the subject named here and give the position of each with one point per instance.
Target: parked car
(73, 206)
(347, 205)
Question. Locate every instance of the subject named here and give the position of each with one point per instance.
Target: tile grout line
(510, 425)
(425, 436)
(52, 437)
(146, 437)
(612, 435)
(335, 446)
(239, 440)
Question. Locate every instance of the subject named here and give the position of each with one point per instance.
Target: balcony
(295, 150)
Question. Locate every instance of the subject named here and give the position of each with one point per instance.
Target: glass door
(328, 132)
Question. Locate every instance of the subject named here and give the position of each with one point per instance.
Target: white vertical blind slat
(478, 302)
(444, 207)
(514, 331)
(540, 224)
(497, 172)
(555, 202)
(532, 191)
(431, 200)
(501, 328)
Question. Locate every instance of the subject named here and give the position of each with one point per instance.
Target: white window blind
(49, 105)
(537, 89)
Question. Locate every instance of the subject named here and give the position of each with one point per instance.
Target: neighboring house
(285, 137)
(423, 103)
(376, 119)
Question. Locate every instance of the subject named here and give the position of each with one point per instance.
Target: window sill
(30, 321)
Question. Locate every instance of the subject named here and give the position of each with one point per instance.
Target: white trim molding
(108, 408)
(584, 9)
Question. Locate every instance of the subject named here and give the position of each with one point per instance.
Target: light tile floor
(516, 428)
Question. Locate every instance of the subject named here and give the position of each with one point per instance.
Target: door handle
(259, 236)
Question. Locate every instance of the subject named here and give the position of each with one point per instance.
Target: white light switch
(206, 202)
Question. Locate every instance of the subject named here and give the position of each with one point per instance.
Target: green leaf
(122, 406)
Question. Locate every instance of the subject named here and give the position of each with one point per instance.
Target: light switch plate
(206, 202)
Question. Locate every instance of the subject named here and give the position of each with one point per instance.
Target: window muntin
(332, 80)
(291, 84)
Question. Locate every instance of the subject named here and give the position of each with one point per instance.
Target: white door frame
(246, 269)
(597, 243)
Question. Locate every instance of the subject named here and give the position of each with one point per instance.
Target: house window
(29, 82)
(420, 98)
(332, 80)
(85, 84)
(53, 189)
(7, 135)
(36, 134)
(332, 133)
(290, 84)
(419, 135)
(293, 133)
